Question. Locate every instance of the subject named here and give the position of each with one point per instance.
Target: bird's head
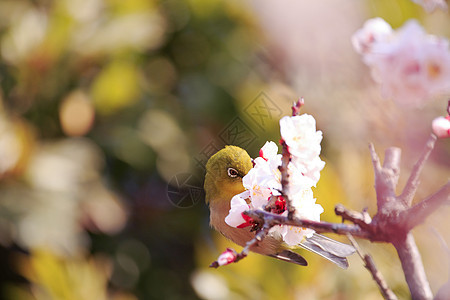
(224, 172)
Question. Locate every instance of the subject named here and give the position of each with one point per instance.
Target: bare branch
(413, 180)
(417, 214)
(369, 264)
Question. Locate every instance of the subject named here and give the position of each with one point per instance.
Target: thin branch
(259, 236)
(417, 214)
(319, 227)
(413, 180)
(369, 264)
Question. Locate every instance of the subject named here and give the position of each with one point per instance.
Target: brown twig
(285, 159)
(369, 264)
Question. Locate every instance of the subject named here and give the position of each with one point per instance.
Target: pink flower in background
(375, 30)
(410, 65)
(431, 5)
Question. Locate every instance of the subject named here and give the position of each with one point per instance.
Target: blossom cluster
(410, 65)
(263, 182)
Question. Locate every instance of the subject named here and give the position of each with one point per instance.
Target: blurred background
(109, 110)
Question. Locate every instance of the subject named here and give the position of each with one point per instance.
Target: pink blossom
(410, 65)
(441, 127)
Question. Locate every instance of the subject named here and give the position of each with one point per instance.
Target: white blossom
(238, 206)
(299, 133)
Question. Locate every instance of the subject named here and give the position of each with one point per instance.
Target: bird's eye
(232, 172)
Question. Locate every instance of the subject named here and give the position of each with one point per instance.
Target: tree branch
(413, 181)
(386, 177)
(413, 268)
(417, 214)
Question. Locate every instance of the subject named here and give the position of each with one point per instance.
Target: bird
(223, 180)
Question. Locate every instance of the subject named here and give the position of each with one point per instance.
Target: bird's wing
(292, 257)
(332, 250)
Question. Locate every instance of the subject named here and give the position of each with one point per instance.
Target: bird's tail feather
(332, 250)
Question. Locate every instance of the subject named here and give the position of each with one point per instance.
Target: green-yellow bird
(223, 180)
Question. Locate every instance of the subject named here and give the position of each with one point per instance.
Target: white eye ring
(232, 172)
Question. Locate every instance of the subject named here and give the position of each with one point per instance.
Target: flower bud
(227, 257)
(441, 127)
